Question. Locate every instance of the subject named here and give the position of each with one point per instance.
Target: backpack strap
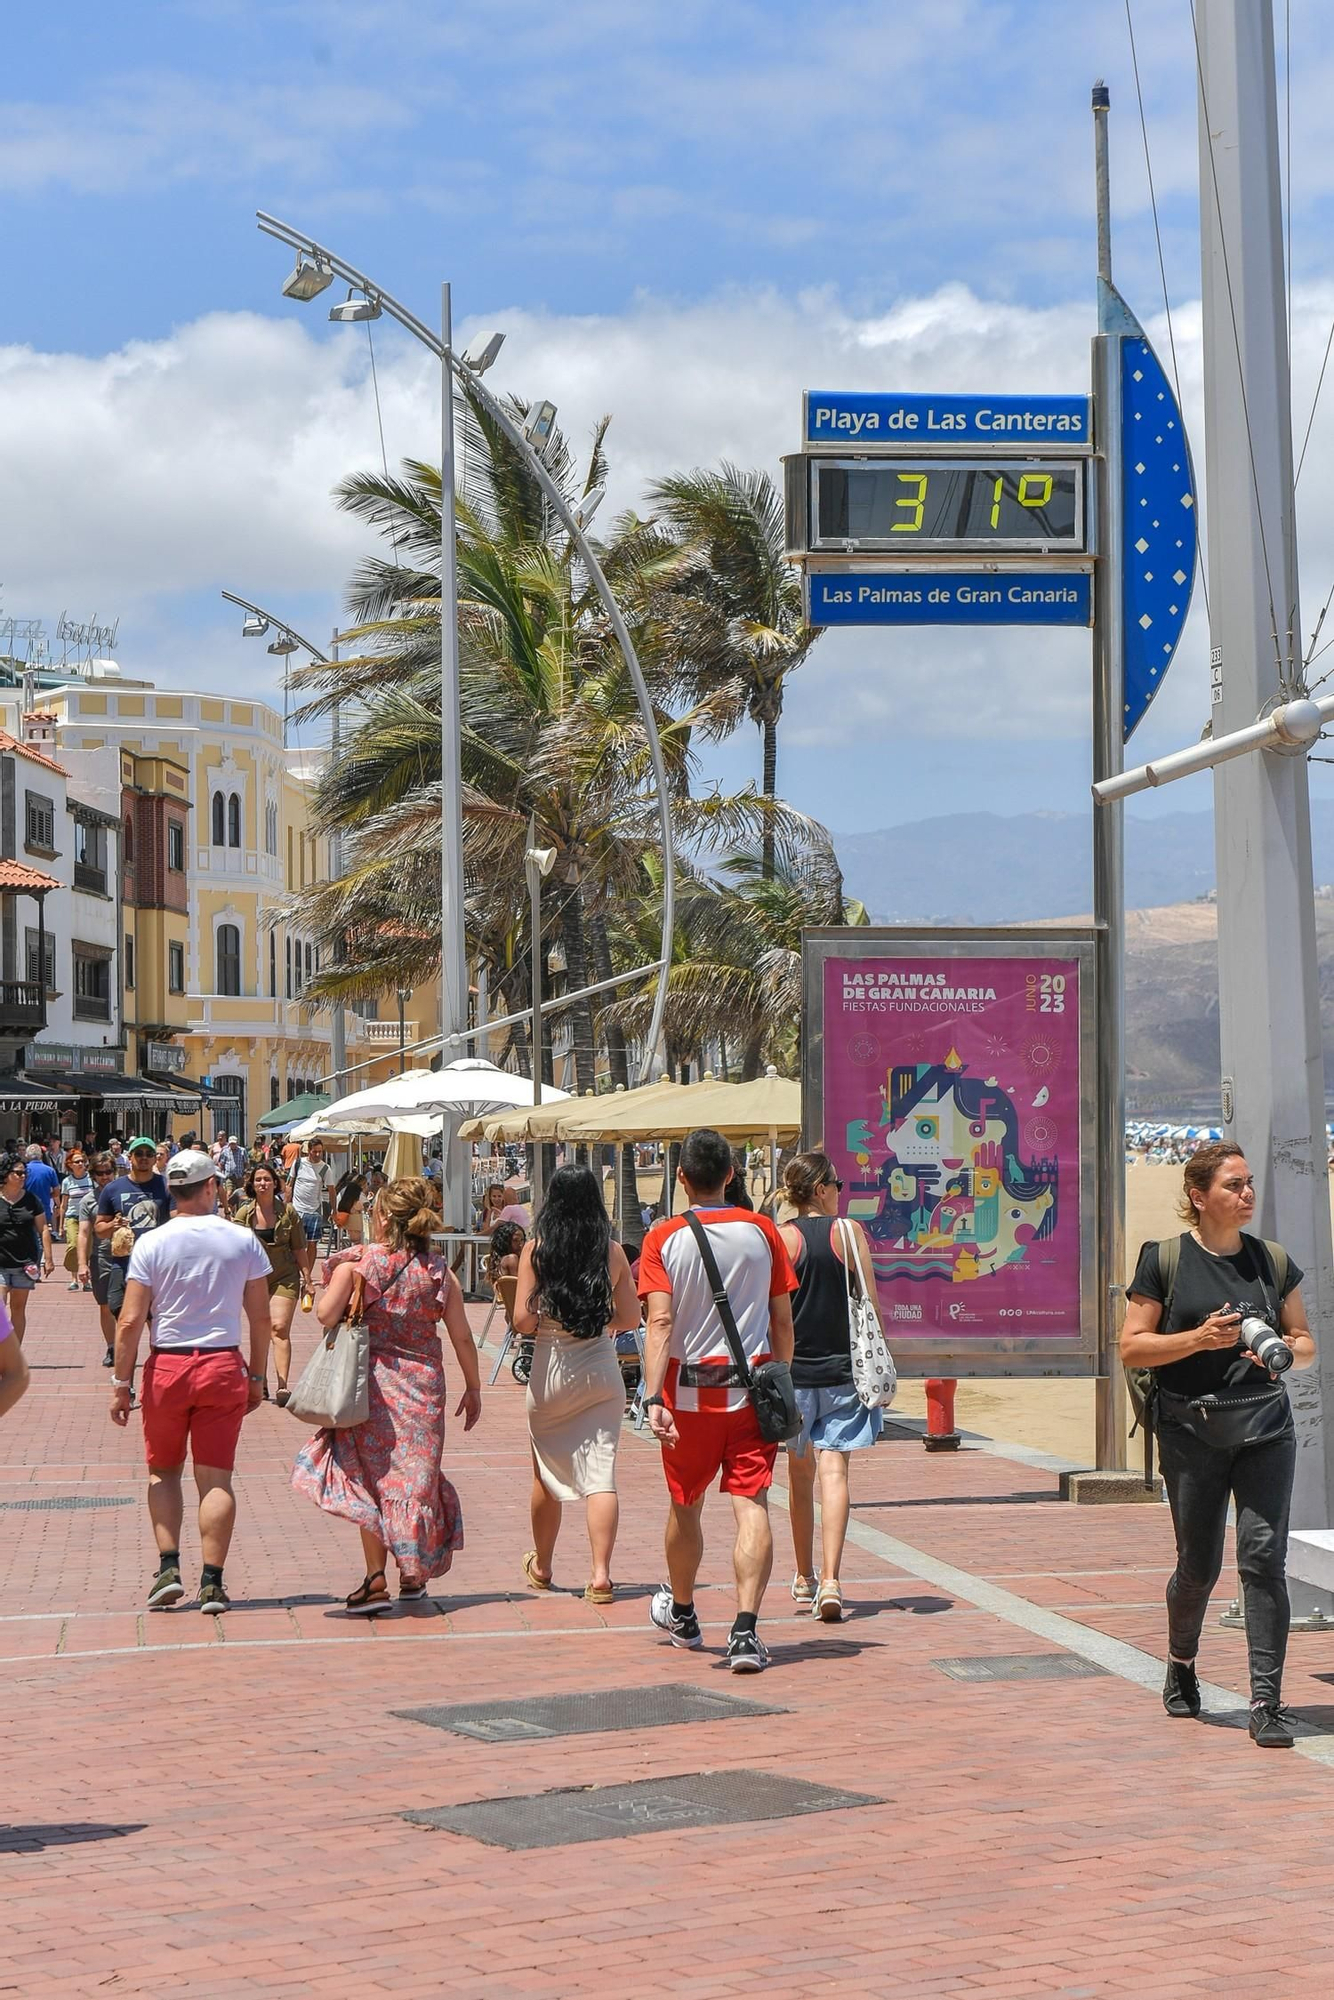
(1169, 1263)
(1279, 1264)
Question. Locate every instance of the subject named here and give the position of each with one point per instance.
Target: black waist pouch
(1229, 1423)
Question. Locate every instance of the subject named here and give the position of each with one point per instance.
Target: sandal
(368, 1598)
(535, 1582)
(829, 1601)
(281, 1395)
(408, 1593)
(599, 1593)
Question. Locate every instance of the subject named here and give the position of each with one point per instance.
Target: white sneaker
(682, 1632)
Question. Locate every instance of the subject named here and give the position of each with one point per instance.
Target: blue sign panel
(839, 417)
(1159, 522)
(949, 597)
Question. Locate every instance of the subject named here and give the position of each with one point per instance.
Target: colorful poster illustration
(952, 1108)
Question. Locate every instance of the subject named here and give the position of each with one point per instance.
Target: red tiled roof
(17, 874)
(8, 742)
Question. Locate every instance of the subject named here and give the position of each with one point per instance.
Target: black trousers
(1200, 1480)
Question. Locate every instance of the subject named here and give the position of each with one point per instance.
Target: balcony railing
(22, 1005)
(383, 1034)
(88, 877)
(92, 1007)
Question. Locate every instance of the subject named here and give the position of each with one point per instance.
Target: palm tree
(736, 961)
(733, 604)
(549, 729)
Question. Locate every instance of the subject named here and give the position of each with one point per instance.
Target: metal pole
(402, 1033)
(338, 1026)
(1108, 839)
(453, 944)
(1268, 975)
(535, 937)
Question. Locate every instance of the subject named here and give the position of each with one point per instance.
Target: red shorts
(712, 1440)
(197, 1400)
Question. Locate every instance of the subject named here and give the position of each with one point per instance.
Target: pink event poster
(951, 1107)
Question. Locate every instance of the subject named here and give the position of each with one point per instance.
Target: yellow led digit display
(916, 505)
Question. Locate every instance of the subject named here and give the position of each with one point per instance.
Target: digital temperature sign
(904, 505)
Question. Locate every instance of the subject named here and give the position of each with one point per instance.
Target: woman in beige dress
(574, 1291)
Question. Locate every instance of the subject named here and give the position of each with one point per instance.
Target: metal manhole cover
(68, 1503)
(524, 1721)
(1021, 1667)
(652, 1805)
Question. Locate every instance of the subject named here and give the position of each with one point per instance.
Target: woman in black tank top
(834, 1421)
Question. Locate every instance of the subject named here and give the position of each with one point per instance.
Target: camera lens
(1269, 1350)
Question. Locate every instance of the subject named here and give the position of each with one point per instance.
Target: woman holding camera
(1219, 1332)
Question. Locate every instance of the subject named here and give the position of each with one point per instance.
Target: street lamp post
(537, 865)
(316, 268)
(257, 623)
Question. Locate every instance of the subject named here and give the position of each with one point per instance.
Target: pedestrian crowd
(756, 1336)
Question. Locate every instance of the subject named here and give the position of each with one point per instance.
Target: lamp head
(585, 508)
(308, 280)
(282, 645)
(254, 626)
(482, 350)
(540, 424)
(354, 309)
(540, 859)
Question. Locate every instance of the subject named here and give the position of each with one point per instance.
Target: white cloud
(142, 481)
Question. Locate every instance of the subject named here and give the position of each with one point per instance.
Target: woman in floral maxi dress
(385, 1474)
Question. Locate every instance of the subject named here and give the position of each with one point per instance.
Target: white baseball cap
(190, 1169)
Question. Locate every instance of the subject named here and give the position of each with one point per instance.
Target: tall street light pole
(258, 622)
(316, 268)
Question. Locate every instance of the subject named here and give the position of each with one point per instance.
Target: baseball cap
(143, 1140)
(190, 1169)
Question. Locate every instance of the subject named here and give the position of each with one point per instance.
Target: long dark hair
(571, 1239)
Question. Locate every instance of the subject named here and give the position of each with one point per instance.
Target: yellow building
(206, 974)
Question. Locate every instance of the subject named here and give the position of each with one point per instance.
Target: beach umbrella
(468, 1088)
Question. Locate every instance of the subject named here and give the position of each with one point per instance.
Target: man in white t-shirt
(198, 1275)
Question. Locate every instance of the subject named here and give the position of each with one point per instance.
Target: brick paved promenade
(203, 1807)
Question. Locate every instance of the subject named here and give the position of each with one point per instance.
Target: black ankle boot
(1181, 1691)
(1270, 1728)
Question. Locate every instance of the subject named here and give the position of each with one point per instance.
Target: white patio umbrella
(468, 1088)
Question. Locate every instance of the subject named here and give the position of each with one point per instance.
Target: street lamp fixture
(308, 280)
(584, 510)
(529, 443)
(482, 350)
(254, 627)
(539, 426)
(282, 645)
(354, 309)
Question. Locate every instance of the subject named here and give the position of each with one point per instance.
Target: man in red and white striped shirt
(698, 1405)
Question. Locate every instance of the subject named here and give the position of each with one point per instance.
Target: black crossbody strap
(720, 1298)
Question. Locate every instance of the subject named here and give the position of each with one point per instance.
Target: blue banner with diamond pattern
(1159, 517)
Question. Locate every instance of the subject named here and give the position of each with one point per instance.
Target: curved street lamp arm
(500, 417)
(350, 275)
(281, 624)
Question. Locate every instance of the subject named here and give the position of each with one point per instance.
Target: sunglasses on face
(835, 1183)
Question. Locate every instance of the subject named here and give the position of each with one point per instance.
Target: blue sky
(683, 213)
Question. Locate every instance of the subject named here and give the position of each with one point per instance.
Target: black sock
(745, 1621)
(169, 1559)
(210, 1573)
(683, 1610)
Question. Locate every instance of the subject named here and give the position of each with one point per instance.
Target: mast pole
(1109, 900)
(1268, 986)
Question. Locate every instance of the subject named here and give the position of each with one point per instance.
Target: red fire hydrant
(940, 1434)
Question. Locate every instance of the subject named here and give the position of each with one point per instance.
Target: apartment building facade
(215, 988)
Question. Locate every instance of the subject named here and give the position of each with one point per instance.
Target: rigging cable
(1162, 268)
(1286, 684)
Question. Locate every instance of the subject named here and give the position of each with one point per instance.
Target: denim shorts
(835, 1420)
(311, 1225)
(15, 1278)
